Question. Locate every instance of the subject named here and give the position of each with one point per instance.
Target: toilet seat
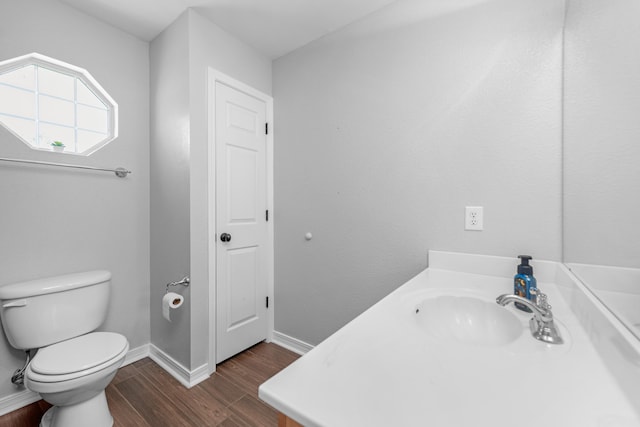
(77, 357)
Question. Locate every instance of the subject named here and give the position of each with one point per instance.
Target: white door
(241, 221)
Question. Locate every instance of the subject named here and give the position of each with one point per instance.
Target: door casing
(213, 77)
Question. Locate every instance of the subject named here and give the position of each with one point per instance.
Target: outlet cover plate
(473, 218)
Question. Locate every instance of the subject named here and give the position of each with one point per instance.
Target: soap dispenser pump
(524, 282)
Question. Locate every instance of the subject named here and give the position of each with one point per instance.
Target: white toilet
(73, 365)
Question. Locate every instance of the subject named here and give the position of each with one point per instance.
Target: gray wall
(210, 46)
(602, 132)
(180, 58)
(55, 221)
(386, 129)
(170, 159)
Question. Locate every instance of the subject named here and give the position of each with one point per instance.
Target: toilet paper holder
(184, 282)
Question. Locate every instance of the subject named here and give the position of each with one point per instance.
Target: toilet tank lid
(50, 285)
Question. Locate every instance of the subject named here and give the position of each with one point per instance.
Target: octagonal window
(53, 106)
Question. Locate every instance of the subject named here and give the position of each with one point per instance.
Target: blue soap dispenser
(524, 282)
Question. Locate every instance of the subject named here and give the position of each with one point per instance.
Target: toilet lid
(78, 354)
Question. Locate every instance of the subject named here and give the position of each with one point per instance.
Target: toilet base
(93, 412)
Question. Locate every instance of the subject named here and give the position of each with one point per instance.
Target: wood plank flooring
(143, 395)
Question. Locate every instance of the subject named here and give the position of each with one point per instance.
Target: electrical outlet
(473, 218)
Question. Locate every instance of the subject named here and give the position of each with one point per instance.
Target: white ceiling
(273, 27)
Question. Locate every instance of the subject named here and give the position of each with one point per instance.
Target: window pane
(17, 102)
(85, 96)
(26, 129)
(22, 77)
(50, 133)
(56, 111)
(87, 140)
(91, 118)
(55, 83)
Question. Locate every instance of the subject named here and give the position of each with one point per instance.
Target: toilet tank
(41, 312)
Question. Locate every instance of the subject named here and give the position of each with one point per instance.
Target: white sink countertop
(385, 368)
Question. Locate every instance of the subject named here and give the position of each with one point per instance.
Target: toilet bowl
(72, 376)
(73, 364)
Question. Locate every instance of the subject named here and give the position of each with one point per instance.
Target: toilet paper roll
(171, 301)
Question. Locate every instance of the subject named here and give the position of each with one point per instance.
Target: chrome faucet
(541, 324)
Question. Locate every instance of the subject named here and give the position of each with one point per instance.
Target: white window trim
(80, 73)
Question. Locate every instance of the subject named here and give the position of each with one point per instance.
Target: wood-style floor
(143, 394)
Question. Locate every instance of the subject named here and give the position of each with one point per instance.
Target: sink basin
(467, 320)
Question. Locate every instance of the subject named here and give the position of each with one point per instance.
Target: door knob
(225, 237)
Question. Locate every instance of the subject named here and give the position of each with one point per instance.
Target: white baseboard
(290, 343)
(186, 377)
(26, 397)
(138, 353)
(17, 400)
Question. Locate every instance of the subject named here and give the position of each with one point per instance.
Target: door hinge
(266, 215)
(267, 302)
(266, 128)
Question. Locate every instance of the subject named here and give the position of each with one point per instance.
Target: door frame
(214, 76)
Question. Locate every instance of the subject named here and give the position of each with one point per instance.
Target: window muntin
(43, 100)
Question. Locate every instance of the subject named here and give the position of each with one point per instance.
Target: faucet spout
(543, 314)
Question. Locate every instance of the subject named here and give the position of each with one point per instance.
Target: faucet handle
(541, 299)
